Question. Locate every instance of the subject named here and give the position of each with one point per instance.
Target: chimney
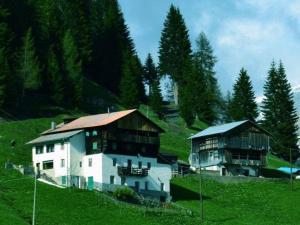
(53, 125)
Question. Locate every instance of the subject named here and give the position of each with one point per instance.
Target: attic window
(50, 148)
(87, 134)
(39, 150)
(95, 133)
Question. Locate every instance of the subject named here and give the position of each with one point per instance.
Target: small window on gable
(50, 148)
(95, 133)
(62, 163)
(90, 162)
(87, 134)
(39, 149)
(112, 179)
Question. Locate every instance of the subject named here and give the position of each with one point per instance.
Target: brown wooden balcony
(130, 171)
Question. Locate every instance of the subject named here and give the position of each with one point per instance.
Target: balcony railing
(130, 171)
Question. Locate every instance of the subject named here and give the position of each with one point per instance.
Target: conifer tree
(129, 83)
(155, 97)
(150, 72)
(226, 108)
(204, 59)
(73, 69)
(29, 68)
(55, 77)
(4, 73)
(243, 105)
(279, 112)
(174, 48)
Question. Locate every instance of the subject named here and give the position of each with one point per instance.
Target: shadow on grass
(180, 193)
(272, 173)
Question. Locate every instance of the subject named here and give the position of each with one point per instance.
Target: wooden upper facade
(236, 143)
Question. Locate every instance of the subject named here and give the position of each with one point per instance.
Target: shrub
(125, 194)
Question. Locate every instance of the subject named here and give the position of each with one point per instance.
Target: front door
(90, 183)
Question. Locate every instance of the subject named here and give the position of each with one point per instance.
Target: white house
(103, 152)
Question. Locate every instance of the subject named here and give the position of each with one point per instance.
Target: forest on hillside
(48, 47)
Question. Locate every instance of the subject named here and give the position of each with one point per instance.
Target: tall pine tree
(210, 96)
(279, 112)
(73, 69)
(55, 78)
(174, 49)
(150, 73)
(29, 67)
(243, 105)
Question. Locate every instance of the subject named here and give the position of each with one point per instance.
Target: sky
(243, 33)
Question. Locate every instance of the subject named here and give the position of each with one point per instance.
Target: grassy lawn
(255, 202)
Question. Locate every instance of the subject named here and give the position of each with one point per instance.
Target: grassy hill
(256, 202)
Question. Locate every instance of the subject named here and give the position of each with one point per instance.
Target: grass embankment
(256, 202)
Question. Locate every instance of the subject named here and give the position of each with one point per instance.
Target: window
(62, 163)
(123, 180)
(140, 165)
(162, 186)
(112, 179)
(62, 146)
(80, 164)
(146, 185)
(149, 165)
(95, 133)
(216, 155)
(114, 161)
(90, 162)
(39, 150)
(50, 148)
(114, 146)
(87, 134)
(95, 145)
(64, 180)
(47, 165)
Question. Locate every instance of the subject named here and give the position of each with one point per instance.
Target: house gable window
(62, 163)
(39, 149)
(87, 134)
(90, 162)
(47, 165)
(94, 133)
(112, 179)
(50, 148)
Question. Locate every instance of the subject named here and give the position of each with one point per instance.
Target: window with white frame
(50, 148)
(39, 149)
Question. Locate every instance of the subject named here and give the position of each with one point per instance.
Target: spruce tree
(279, 112)
(129, 83)
(55, 77)
(243, 105)
(155, 97)
(4, 73)
(29, 68)
(73, 69)
(174, 48)
(150, 74)
(204, 60)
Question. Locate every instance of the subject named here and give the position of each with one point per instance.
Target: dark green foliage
(226, 108)
(208, 105)
(125, 194)
(242, 105)
(150, 73)
(55, 77)
(280, 116)
(174, 48)
(29, 68)
(155, 98)
(129, 86)
(4, 73)
(73, 69)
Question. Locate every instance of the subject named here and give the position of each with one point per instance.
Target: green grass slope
(256, 202)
